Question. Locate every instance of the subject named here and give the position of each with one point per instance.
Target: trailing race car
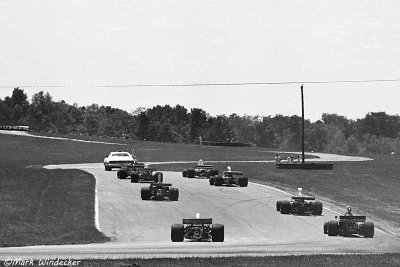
(200, 171)
(197, 229)
(349, 225)
(230, 178)
(300, 204)
(159, 191)
(117, 160)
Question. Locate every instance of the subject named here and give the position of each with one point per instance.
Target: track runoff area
(253, 226)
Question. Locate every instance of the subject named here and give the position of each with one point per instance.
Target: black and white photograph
(199, 133)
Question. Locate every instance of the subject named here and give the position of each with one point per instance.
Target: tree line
(377, 132)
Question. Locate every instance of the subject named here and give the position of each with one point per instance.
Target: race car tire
(213, 172)
(134, 177)
(285, 207)
(325, 228)
(368, 229)
(191, 173)
(333, 228)
(184, 173)
(158, 177)
(145, 193)
(317, 208)
(173, 194)
(218, 181)
(243, 181)
(212, 180)
(278, 205)
(217, 233)
(122, 173)
(177, 233)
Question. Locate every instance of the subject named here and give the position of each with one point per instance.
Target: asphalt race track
(252, 224)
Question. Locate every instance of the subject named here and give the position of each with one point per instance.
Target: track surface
(252, 224)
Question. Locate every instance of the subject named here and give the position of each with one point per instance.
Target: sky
(99, 51)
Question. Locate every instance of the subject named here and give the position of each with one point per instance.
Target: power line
(206, 84)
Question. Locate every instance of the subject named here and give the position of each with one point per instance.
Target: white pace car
(118, 160)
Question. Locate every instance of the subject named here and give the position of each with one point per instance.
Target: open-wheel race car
(349, 225)
(140, 173)
(230, 178)
(198, 229)
(159, 191)
(125, 171)
(200, 171)
(300, 204)
(146, 175)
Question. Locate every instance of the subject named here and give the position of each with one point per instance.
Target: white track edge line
(96, 207)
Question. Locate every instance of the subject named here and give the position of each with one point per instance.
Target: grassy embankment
(42, 206)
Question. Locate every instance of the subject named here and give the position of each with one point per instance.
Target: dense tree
(378, 132)
(198, 119)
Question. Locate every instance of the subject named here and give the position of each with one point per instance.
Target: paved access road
(252, 224)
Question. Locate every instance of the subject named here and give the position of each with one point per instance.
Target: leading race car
(198, 229)
(230, 178)
(349, 225)
(200, 171)
(159, 191)
(118, 159)
(300, 204)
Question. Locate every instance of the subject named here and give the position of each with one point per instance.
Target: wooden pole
(302, 125)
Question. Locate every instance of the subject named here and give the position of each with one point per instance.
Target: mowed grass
(42, 206)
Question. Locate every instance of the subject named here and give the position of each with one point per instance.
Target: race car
(125, 171)
(159, 191)
(230, 178)
(146, 174)
(118, 159)
(349, 225)
(300, 204)
(200, 171)
(199, 229)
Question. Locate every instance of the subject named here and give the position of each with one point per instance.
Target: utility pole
(302, 125)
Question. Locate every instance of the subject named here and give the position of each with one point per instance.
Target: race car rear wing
(353, 218)
(233, 173)
(147, 169)
(197, 221)
(205, 166)
(303, 197)
(160, 184)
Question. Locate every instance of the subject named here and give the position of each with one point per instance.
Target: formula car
(125, 171)
(200, 171)
(348, 226)
(159, 191)
(300, 204)
(230, 178)
(199, 229)
(117, 160)
(146, 174)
